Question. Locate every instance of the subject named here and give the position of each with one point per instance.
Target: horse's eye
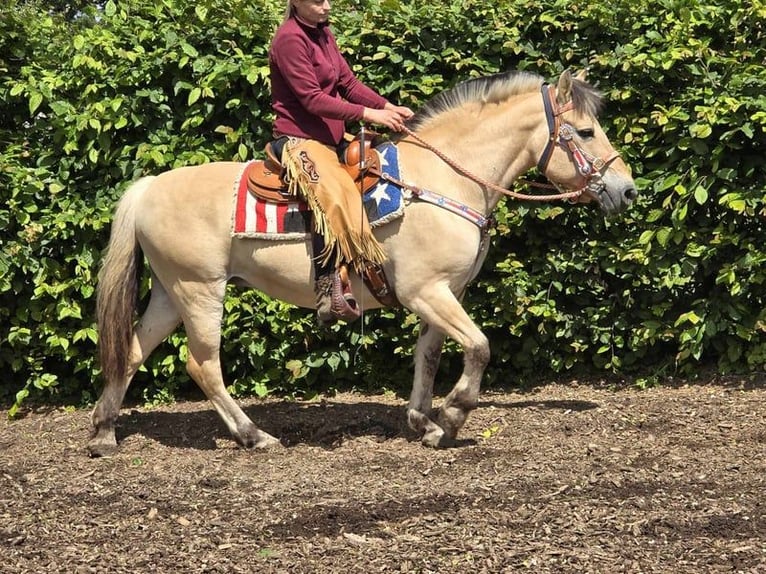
(586, 133)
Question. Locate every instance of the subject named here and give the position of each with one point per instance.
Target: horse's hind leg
(442, 312)
(159, 320)
(203, 329)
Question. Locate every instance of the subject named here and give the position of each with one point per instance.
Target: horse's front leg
(427, 356)
(464, 397)
(445, 316)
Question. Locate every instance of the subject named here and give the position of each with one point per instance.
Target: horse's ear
(564, 88)
(582, 75)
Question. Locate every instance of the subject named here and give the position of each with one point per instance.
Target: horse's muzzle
(613, 194)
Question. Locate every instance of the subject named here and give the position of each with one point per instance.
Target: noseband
(560, 133)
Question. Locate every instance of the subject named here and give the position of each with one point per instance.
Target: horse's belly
(281, 269)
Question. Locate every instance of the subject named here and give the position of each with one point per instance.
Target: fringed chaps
(314, 173)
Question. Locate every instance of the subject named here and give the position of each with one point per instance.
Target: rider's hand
(393, 118)
(404, 111)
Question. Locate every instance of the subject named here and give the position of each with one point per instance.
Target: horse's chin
(615, 196)
(611, 204)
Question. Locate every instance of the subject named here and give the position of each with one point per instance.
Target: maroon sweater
(313, 90)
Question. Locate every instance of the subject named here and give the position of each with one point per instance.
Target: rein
(571, 195)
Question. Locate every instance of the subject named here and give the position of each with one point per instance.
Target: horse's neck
(491, 142)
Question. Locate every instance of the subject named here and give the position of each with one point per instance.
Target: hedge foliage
(91, 98)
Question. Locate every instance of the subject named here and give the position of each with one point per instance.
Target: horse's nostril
(631, 194)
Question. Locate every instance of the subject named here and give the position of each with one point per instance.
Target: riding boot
(334, 299)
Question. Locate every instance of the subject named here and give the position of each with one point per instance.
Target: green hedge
(91, 99)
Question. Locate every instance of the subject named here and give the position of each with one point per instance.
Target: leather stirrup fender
(376, 281)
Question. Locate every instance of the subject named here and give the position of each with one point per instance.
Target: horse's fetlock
(100, 420)
(465, 403)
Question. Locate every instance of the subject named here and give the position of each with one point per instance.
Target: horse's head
(578, 155)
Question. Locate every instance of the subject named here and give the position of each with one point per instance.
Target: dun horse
(466, 145)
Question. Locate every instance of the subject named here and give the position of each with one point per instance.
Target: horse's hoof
(260, 440)
(437, 438)
(99, 447)
(268, 441)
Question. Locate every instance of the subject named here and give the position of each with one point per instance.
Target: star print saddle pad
(254, 217)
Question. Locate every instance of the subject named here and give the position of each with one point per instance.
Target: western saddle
(266, 177)
(266, 180)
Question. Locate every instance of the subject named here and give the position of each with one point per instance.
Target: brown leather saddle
(266, 180)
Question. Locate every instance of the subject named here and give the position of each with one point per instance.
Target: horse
(468, 145)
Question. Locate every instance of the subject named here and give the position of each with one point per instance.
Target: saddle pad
(384, 202)
(256, 218)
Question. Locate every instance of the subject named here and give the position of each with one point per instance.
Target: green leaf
(701, 131)
(21, 395)
(667, 182)
(194, 95)
(690, 317)
(189, 50)
(34, 102)
(662, 236)
(646, 237)
(700, 195)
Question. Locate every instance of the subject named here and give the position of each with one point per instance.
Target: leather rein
(561, 133)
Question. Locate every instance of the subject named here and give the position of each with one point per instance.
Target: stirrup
(335, 301)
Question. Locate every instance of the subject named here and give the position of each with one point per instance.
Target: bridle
(560, 133)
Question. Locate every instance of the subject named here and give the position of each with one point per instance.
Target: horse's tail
(117, 291)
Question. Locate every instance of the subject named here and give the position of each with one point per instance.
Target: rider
(313, 93)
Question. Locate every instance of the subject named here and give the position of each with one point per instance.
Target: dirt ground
(562, 478)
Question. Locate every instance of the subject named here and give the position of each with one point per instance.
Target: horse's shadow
(323, 424)
(561, 405)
